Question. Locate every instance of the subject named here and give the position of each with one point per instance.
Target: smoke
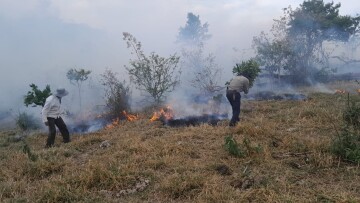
(42, 39)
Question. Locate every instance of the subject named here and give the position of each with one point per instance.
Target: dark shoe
(48, 146)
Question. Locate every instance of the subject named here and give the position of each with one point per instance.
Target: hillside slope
(288, 160)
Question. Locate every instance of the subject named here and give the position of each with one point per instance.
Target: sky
(42, 39)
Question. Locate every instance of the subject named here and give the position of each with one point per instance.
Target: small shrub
(352, 116)
(347, 146)
(241, 150)
(117, 94)
(26, 122)
(232, 147)
(347, 143)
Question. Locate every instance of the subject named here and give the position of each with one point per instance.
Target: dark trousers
(234, 98)
(52, 131)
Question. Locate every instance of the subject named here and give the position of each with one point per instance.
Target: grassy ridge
(148, 162)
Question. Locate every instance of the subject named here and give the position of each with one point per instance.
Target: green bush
(233, 147)
(347, 143)
(347, 146)
(352, 116)
(243, 149)
(117, 94)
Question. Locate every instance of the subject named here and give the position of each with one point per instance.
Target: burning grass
(158, 163)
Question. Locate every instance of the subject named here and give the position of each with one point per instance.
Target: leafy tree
(205, 73)
(154, 74)
(273, 55)
(117, 94)
(194, 33)
(250, 69)
(37, 97)
(77, 77)
(306, 32)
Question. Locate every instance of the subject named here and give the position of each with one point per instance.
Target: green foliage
(77, 76)
(323, 21)
(241, 150)
(347, 143)
(352, 116)
(153, 74)
(250, 69)
(37, 97)
(193, 33)
(26, 122)
(233, 147)
(296, 45)
(117, 94)
(273, 55)
(347, 146)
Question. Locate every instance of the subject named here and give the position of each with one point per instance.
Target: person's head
(61, 92)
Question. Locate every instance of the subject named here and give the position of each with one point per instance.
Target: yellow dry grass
(293, 163)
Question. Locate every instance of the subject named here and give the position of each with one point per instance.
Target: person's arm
(246, 86)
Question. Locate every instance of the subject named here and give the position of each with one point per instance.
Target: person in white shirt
(238, 84)
(51, 116)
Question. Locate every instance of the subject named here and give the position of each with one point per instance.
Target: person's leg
(52, 132)
(236, 109)
(231, 97)
(238, 101)
(63, 129)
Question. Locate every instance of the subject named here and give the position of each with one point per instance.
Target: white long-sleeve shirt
(240, 84)
(51, 108)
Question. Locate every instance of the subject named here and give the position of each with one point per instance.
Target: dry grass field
(288, 159)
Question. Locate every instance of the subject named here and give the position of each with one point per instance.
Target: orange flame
(340, 91)
(130, 117)
(114, 123)
(165, 113)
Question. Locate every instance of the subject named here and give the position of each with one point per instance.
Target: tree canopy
(153, 74)
(77, 77)
(299, 37)
(36, 97)
(193, 33)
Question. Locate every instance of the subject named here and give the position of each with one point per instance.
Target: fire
(340, 91)
(165, 113)
(130, 117)
(114, 123)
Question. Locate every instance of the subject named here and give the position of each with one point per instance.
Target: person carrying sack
(236, 85)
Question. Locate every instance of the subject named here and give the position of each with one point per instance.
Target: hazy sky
(42, 39)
